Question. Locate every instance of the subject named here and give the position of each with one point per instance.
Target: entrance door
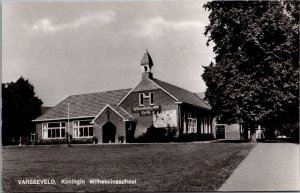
(109, 133)
(220, 131)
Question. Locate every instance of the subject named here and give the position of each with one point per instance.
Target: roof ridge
(100, 92)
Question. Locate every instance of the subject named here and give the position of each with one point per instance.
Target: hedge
(65, 141)
(164, 135)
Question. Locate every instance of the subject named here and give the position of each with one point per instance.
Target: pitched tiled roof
(89, 105)
(182, 95)
(200, 95)
(84, 105)
(144, 85)
(122, 112)
(119, 110)
(45, 109)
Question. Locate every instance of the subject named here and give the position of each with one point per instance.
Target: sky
(66, 48)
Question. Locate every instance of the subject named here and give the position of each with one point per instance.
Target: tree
(19, 107)
(255, 76)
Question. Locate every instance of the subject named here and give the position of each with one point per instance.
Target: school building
(119, 116)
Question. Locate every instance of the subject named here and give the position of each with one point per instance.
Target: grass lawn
(156, 167)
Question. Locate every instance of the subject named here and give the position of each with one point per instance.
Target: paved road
(268, 167)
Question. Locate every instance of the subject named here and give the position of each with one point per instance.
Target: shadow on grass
(282, 140)
(231, 141)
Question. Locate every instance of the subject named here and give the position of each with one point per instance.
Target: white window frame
(191, 123)
(151, 99)
(143, 96)
(184, 123)
(45, 130)
(205, 125)
(32, 136)
(77, 127)
(202, 124)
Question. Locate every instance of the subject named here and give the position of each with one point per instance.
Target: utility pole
(69, 136)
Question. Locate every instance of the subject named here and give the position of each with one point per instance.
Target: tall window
(151, 98)
(205, 125)
(83, 129)
(145, 96)
(192, 124)
(141, 99)
(54, 130)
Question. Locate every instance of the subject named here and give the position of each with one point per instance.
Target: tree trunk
(245, 131)
(252, 133)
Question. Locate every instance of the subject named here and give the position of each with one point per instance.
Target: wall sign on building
(146, 111)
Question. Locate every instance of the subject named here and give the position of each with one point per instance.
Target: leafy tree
(255, 76)
(19, 107)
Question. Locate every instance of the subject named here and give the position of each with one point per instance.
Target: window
(143, 96)
(32, 136)
(141, 99)
(54, 130)
(83, 129)
(205, 125)
(192, 123)
(201, 124)
(151, 98)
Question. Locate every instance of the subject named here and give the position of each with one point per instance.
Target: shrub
(84, 140)
(65, 141)
(168, 135)
(52, 141)
(189, 137)
(154, 134)
(171, 133)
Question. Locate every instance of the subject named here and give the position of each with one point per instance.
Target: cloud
(154, 27)
(100, 19)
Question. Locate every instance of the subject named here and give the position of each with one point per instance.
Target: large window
(143, 96)
(54, 130)
(83, 129)
(192, 125)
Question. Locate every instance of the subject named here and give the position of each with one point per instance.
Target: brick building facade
(119, 116)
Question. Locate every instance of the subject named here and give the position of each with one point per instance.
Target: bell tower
(146, 64)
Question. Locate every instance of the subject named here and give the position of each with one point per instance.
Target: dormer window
(145, 96)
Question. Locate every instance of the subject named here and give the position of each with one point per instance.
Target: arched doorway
(108, 132)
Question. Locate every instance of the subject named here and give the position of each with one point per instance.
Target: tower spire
(146, 64)
(147, 60)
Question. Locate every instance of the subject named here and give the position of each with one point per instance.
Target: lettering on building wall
(146, 111)
(165, 118)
